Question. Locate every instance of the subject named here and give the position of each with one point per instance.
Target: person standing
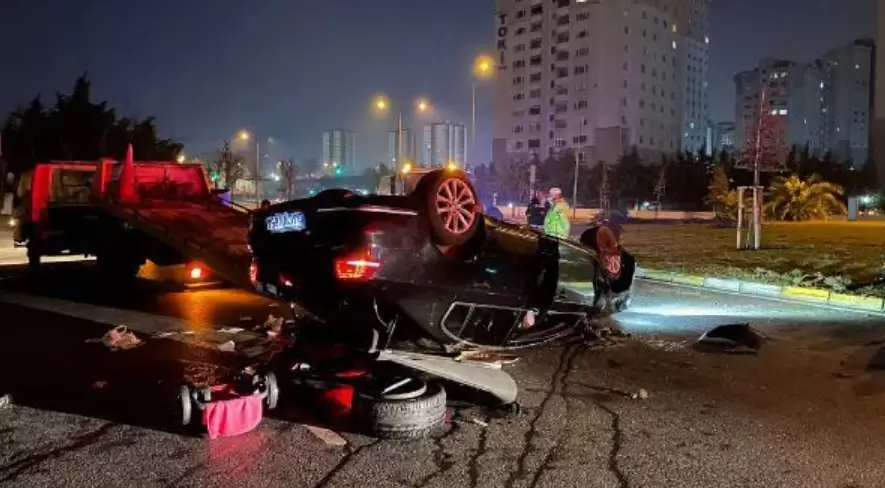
(556, 222)
(537, 210)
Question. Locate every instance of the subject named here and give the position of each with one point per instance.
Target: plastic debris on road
(490, 359)
(231, 330)
(732, 339)
(642, 394)
(119, 339)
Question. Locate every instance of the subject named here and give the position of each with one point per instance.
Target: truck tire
(451, 206)
(119, 267)
(401, 418)
(34, 253)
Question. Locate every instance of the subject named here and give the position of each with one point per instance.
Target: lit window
(674, 45)
(782, 111)
(856, 66)
(706, 38)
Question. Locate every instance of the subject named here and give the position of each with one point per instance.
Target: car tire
(269, 387)
(403, 418)
(451, 206)
(185, 405)
(34, 253)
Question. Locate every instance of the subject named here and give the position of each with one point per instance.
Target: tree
(793, 198)
(227, 166)
(288, 172)
(76, 128)
(718, 191)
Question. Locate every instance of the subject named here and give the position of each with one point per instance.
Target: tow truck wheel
(411, 410)
(33, 254)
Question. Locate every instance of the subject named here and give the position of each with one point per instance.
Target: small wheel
(271, 391)
(186, 404)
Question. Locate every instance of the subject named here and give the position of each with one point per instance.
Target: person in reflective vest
(556, 222)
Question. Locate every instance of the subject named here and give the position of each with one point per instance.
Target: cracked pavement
(805, 412)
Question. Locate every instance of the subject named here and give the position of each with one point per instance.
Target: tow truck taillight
(357, 266)
(196, 272)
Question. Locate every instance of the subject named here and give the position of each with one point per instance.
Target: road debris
(480, 423)
(732, 339)
(228, 346)
(118, 339)
(489, 359)
(642, 394)
(231, 330)
(5, 401)
(330, 438)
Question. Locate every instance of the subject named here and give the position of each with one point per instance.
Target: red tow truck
(128, 213)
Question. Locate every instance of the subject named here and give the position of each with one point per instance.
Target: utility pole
(257, 170)
(660, 189)
(578, 154)
(604, 203)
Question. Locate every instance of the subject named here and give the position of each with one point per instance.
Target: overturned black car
(430, 266)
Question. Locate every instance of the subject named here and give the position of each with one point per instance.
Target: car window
(577, 268)
(72, 186)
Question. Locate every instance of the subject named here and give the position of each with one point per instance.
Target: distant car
(429, 264)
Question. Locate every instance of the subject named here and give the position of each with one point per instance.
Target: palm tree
(792, 198)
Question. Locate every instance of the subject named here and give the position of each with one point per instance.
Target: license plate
(286, 222)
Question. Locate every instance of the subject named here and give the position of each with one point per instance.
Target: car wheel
(413, 410)
(451, 206)
(267, 385)
(185, 403)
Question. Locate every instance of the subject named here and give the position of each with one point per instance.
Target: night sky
(288, 69)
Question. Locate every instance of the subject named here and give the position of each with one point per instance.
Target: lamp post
(482, 70)
(381, 106)
(245, 136)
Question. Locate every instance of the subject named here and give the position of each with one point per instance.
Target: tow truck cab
(54, 215)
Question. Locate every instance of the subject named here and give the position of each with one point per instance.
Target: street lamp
(381, 104)
(483, 69)
(245, 136)
(180, 158)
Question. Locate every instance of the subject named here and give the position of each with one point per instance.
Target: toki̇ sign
(501, 37)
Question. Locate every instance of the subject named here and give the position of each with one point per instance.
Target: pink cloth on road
(227, 418)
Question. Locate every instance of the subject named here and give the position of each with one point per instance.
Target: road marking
(205, 335)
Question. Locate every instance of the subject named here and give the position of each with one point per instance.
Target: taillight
(196, 272)
(358, 266)
(253, 272)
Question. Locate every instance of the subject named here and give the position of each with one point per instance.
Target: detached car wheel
(451, 206)
(399, 414)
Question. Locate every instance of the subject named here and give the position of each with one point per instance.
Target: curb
(787, 293)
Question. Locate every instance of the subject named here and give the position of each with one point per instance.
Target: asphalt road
(805, 412)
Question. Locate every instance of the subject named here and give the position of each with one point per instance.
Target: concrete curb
(787, 293)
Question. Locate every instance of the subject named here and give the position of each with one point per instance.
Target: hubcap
(454, 204)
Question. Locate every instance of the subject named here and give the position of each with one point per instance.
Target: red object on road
(234, 416)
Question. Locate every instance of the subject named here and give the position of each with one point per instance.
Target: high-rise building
(823, 105)
(696, 65)
(599, 76)
(443, 144)
(785, 89)
(408, 147)
(723, 136)
(339, 147)
(846, 110)
(878, 134)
